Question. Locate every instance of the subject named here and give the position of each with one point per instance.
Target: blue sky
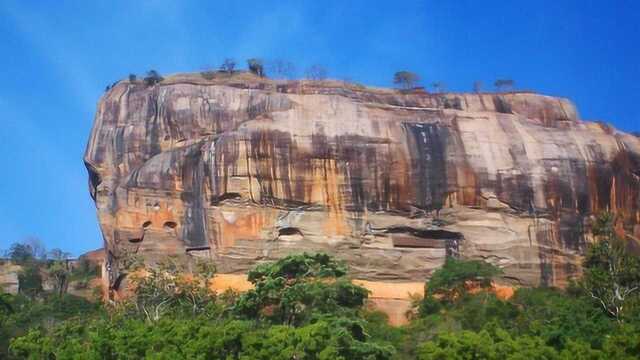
(58, 57)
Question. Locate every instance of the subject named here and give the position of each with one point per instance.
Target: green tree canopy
(20, 253)
(455, 277)
(611, 273)
(291, 289)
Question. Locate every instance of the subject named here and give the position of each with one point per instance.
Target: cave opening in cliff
(408, 237)
(425, 233)
(170, 225)
(215, 200)
(288, 231)
(197, 250)
(146, 224)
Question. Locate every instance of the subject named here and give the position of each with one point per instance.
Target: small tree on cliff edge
(316, 72)
(477, 86)
(439, 87)
(406, 79)
(611, 273)
(281, 69)
(256, 66)
(504, 84)
(228, 66)
(21, 253)
(152, 78)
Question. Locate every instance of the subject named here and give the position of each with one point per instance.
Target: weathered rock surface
(9, 277)
(244, 170)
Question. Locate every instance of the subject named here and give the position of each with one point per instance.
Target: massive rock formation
(243, 170)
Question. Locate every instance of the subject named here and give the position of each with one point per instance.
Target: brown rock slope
(244, 170)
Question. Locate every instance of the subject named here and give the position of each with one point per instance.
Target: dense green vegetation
(304, 307)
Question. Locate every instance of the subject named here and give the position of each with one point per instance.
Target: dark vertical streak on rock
(545, 238)
(194, 223)
(428, 143)
(465, 181)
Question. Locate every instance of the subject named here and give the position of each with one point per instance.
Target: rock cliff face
(243, 170)
(9, 277)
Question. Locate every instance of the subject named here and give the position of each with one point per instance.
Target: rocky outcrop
(9, 272)
(243, 170)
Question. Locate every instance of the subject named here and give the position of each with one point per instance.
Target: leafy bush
(294, 289)
(199, 339)
(23, 314)
(456, 277)
(484, 345)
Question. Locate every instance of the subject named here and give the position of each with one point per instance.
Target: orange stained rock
(244, 225)
(348, 147)
(393, 299)
(392, 290)
(236, 282)
(395, 309)
(400, 166)
(467, 190)
(378, 289)
(502, 292)
(594, 195)
(330, 179)
(155, 216)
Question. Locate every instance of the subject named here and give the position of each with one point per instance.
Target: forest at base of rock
(304, 307)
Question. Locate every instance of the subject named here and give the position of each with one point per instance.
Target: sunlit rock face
(244, 170)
